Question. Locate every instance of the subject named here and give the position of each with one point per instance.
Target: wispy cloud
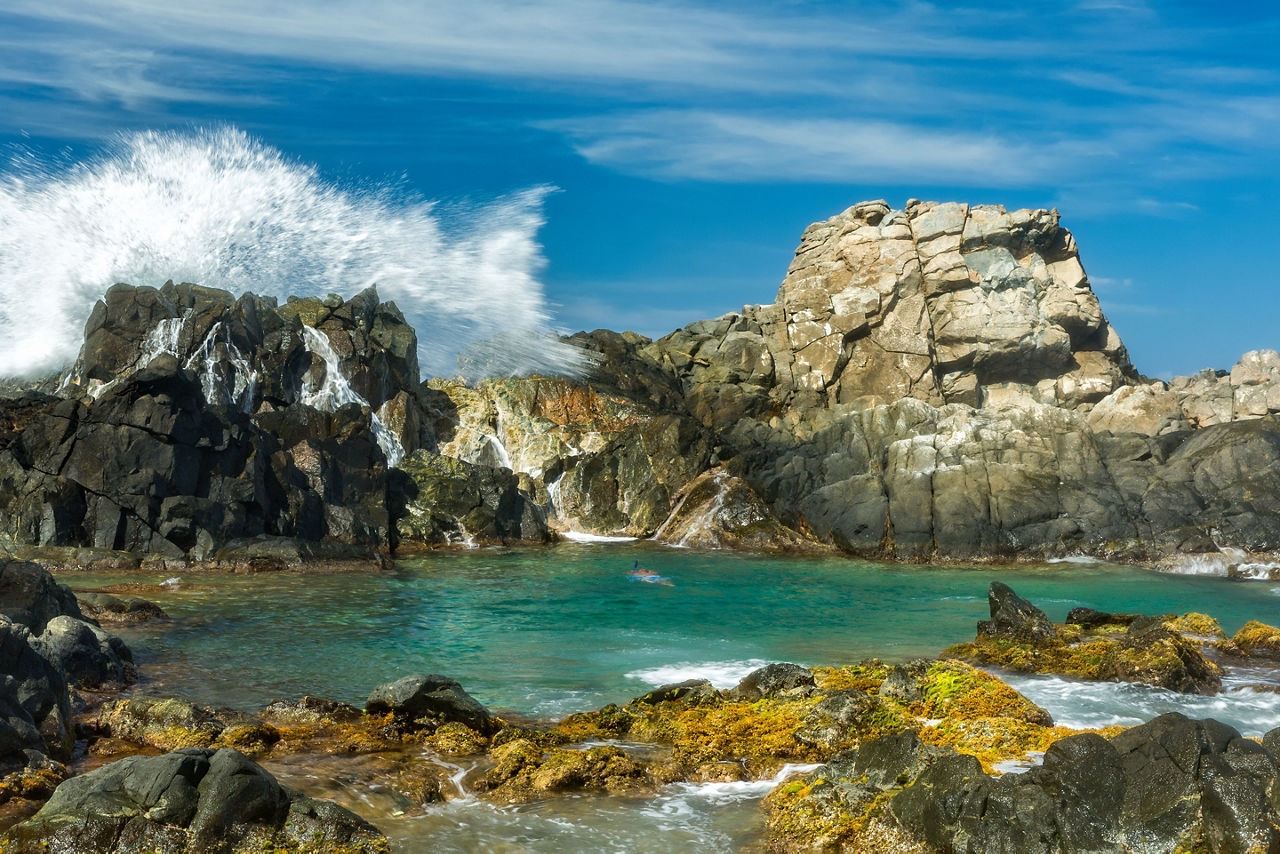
(736, 147)
(997, 94)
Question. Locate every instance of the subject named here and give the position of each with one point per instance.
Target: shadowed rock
(1015, 617)
(430, 698)
(189, 800)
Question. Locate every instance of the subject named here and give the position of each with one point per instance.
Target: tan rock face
(943, 303)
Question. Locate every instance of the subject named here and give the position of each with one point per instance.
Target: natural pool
(544, 632)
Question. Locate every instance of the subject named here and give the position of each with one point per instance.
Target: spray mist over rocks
(218, 208)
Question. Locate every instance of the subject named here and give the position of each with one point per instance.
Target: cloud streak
(1002, 95)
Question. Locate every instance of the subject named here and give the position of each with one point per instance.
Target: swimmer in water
(639, 573)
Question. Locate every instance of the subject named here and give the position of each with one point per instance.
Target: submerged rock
(190, 800)
(124, 610)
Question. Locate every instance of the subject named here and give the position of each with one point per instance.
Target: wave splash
(221, 209)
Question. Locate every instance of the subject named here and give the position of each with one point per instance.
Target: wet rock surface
(1161, 651)
(1171, 784)
(190, 800)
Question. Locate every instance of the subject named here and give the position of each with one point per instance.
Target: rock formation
(933, 382)
(48, 649)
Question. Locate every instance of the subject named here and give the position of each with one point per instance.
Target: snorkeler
(640, 572)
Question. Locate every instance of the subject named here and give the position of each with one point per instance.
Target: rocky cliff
(938, 381)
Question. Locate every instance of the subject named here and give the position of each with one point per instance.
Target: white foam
(1077, 559)
(1078, 704)
(1203, 564)
(221, 209)
(1259, 571)
(584, 537)
(722, 674)
(334, 391)
(1018, 766)
(737, 790)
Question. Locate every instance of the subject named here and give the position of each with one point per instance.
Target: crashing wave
(219, 208)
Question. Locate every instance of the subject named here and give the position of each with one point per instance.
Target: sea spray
(221, 209)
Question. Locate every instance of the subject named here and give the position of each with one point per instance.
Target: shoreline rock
(1160, 651)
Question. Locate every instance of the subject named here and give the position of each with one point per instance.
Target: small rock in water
(1015, 617)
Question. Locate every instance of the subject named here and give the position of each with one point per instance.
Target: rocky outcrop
(944, 303)
(717, 510)
(450, 501)
(1161, 651)
(47, 650)
(429, 700)
(1171, 784)
(932, 382)
(193, 419)
(194, 799)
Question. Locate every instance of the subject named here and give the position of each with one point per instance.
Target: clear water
(539, 633)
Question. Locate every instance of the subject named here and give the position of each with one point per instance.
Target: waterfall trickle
(334, 391)
(226, 377)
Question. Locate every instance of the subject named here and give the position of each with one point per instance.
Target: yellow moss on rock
(1258, 639)
(953, 689)
(1199, 625)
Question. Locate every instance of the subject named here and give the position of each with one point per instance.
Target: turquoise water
(543, 632)
(540, 633)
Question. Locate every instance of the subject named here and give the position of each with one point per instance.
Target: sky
(689, 144)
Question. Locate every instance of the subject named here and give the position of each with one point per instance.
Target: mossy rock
(1258, 640)
(955, 690)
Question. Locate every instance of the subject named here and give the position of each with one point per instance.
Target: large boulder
(194, 799)
(85, 654)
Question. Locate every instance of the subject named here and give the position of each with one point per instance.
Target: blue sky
(691, 143)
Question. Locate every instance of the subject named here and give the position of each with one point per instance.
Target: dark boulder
(1014, 617)
(33, 694)
(85, 654)
(775, 680)
(30, 597)
(690, 691)
(431, 699)
(194, 799)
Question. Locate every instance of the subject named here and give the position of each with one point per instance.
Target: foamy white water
(1097, 704)
(584, 537)
(722, 674)
(221, 209)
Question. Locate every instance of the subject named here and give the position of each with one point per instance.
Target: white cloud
(722, 146)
